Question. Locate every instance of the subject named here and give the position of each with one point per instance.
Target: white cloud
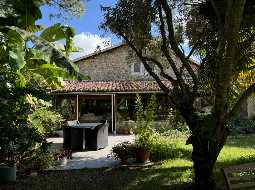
(89, 42)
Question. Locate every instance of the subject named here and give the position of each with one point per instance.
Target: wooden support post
(113, 114)
(77, 107)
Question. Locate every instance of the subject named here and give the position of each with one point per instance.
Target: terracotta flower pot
(142, 155)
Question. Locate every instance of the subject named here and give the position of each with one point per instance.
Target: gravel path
(90, 159)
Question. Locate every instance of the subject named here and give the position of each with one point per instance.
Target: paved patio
(90, 159)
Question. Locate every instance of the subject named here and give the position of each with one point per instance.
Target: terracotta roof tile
(110, 86)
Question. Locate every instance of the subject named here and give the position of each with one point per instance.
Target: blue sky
(88, 35)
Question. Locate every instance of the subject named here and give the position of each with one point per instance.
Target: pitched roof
(98, 52)
(110, 86)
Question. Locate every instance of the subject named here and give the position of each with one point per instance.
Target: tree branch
(200, 40)
(165, 47)
(217, 13)
(148, 68)
(162, 72)
(146, 65)
(173, 43)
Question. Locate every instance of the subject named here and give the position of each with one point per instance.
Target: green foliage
(24, 13)
(29, 65)
(144, 132)
(18, 15)
(242, 126)
(58, 32)
(45, 120)
(65, 109)
(46, 51)
(66, 9)
(37, 159)
(175, 173)
(169, 147)
(163, 144)
(123, 151)
(134, 20)
(151, 109)
(175, 121)
(144, 137)
(139, 109)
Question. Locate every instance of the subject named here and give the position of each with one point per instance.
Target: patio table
(89, 136)
(76, 135)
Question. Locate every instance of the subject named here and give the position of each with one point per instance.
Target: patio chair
(97, 138)
(67, 134)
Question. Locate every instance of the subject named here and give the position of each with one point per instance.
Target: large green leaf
(55, 71)
(58, 32)
(15, 39)
(49, 49)
(16, 45)
(21, 80)
(18, 55)
(53, 33)
(36, 54)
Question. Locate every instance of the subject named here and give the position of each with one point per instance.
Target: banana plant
(31, 55)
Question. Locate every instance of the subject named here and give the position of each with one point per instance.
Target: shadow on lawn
(151, 178)
(122, 178)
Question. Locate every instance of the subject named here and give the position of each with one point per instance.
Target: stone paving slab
(90, 159)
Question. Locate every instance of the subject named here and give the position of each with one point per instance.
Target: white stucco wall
(251, 106)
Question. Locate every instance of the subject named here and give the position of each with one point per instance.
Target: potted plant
(144, 133)
(7, 163)
(123, 151)
(143, 142)
(7, 172)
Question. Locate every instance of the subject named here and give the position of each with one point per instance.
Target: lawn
(169, 174)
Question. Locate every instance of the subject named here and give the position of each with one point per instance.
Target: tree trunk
(206, 148)
(204, 157)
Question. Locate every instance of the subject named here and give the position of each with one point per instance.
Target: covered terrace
(91, 101)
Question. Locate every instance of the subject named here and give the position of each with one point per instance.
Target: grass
(175, 173)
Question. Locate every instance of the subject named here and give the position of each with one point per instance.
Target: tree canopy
(221, 34)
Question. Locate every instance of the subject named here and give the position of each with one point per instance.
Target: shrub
(174, 121)
(45, 120)
(123, 151)
(162, 141)
(38, 159)
(65, 109)
(242, 126)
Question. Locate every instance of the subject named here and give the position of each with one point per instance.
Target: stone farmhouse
(116, 76)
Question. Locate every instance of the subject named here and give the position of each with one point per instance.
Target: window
(137, 67)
